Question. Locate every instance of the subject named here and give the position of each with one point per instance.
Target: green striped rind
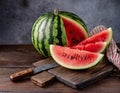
(45, 28)
(35, 31)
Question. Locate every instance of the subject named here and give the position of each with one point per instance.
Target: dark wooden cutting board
(81, 78)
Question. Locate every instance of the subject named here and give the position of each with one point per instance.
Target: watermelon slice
(75, 31)
(103, 36)
(74, 58)
(98, 47)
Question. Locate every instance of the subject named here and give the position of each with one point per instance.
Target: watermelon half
(73, 58)
(97, 47)
(103, 36)
(59, 28)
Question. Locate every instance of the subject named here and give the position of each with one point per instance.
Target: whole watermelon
(57, 27)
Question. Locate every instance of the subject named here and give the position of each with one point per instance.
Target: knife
(31, 71)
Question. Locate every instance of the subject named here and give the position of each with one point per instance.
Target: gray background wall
(18, 16)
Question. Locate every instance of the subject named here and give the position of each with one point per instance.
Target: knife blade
(31, 71)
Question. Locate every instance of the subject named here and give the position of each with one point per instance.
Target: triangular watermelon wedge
(97, 47)
(103, 36)
(76, 31)
(74, 58)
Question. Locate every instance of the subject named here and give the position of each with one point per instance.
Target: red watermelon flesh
(74, 58)
(74, 31)
(92, 47)
(103, 36)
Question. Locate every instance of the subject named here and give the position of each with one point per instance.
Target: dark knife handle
(22, 74)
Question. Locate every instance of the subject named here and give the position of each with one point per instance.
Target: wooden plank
(44, 78)
(107, 85)
(26, 86)
(48, 60)
(18, 55)
(80, 79)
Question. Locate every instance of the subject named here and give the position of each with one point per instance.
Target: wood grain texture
(81, 79)
(43, 79)
(107, 85)
(24, 56)
(75, 79)
(43, 62)
(18, 55)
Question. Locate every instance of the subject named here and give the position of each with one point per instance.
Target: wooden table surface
(14, 58)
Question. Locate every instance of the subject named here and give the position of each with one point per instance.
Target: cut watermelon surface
(104, 36)
(97, 47)
(75, 31)
(74, 58)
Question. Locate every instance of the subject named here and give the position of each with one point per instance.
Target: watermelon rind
(110, 35)
(105, 46)
(76, 67)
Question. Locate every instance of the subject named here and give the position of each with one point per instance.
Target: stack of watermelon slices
(85, 54)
